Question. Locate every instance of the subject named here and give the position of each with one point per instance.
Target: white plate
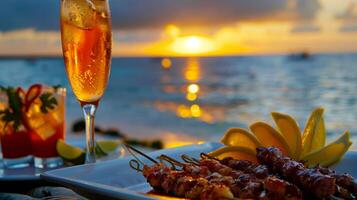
(116, 180)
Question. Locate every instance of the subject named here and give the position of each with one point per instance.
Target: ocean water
(198, 99)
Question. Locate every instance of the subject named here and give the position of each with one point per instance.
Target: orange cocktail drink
(86, 44)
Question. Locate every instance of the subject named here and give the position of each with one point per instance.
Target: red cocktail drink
(46, 147)
(31, 123)
(15, 144)
(46, 126)
(14, 137)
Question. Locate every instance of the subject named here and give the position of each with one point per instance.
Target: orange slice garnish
(241, 138)
(268, 136)
(290, 131)
(239, 153)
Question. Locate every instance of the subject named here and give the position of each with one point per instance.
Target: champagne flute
(86, 44)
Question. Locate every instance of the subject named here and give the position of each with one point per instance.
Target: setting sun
(192, 45)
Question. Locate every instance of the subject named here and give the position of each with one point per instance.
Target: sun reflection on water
(191, 74)
(166, 63)
(195, 110)
(193, 88)
(192, 71)
(174, 139)
(191, 96)
(191, 108)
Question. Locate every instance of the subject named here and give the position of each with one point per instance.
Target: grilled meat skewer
(243, 185)
(178, 183)
(260, 171)
(310, 180)
(210, 178)
(347, 184)
(273, 187)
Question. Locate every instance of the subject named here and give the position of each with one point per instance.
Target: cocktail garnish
(49, 102)
(19, 104)
(12, 114)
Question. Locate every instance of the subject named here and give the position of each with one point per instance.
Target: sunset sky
(187, 27)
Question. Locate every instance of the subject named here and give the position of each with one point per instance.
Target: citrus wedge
(99, 152)
(108, 146)
(268, 136)
(241, 138)
(239, 153)
(70, 153)
(290, 131)
(314, 135)
(329, 154)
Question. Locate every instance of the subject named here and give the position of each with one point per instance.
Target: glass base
(48, 162)
(17, 162)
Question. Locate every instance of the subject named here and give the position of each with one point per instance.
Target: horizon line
(33, 56)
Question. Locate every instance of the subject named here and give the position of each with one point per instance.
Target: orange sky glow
(240, 38)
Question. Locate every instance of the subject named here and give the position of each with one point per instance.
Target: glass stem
(89, 113)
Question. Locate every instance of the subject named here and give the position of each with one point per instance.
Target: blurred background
(186, 71)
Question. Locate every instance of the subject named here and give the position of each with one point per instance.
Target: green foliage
(12, 114)
(49, 102)
(56, 87)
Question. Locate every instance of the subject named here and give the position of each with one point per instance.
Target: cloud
(30, 41)
(305, 28)
(188, 13)
(36, 42)
(140, 14)
(306, 9)
(348, 28)
(137, 36)
(349, 14)
(348, 18)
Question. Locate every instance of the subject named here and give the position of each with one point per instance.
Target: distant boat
(305, 55)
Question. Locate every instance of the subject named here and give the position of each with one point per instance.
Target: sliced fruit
(241, 138)
(290, 131)
(99, 152)
(33, 92)
(268, 136)
(240, 153)
(329, 154)
(44, 124)
(108, 146)
(314, 135)
(70, 153)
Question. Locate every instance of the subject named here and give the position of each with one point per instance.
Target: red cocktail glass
(46, 127)
(14, 138)
(16, 148)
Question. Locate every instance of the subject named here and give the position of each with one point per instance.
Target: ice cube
(46, 131)
(101, 7)
(80, 13)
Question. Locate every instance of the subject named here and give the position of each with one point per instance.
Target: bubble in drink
(80, 13)
(87, 52)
